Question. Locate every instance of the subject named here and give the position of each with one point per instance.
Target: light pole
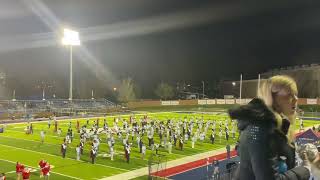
(202, 89)
(240, 94)
(70, 38)
(92, 95)
(43, 94)
(14, 95)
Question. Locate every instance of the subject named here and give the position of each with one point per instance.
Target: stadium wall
(195, 102)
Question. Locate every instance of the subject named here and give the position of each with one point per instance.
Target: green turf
(15, 145)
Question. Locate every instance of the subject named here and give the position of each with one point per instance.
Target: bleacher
(55, 105)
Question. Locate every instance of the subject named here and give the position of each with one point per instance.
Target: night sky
(153, 41)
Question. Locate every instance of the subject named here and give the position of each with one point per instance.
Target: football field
(16, 145)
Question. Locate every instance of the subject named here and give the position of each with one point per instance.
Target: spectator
(266, 134)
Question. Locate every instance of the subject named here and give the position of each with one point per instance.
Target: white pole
(202, 89)
(70, 85)
(240, 88)
(92, 94)
(258, 83)
(43, 94)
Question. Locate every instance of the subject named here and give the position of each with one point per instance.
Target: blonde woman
(266, 125)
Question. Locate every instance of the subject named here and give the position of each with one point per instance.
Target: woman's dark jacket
(262, 143)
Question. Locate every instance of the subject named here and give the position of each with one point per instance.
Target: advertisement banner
(311, 101)
(229, 101)
(174, 103)
(211, 101)
(202, 102)
(221, 101)
(165, 103)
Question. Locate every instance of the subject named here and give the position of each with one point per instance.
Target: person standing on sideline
(228, 151)
(216, 171)
(266, 134)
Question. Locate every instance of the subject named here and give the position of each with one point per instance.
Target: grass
(15, 146)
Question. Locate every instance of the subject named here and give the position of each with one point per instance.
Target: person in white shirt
(169, 147)
(194, 138)
(111, 152)
(78, 152)
(143, 152)
(42, 135)
(220, 135)
(59, 132)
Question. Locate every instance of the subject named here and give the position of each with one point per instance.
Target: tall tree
(164, 91)
(126, 91)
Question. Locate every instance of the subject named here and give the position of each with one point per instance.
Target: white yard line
(37, 168)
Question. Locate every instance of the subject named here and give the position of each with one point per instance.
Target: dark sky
(153, 41)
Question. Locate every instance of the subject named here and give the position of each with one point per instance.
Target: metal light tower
(202, 89)
(240, 94)
(70, 38)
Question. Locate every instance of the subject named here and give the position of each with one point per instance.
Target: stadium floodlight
(70, 38)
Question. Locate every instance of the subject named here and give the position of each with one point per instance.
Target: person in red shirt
(46, 171)
(26, 173)
(19, 168)
(42, 164)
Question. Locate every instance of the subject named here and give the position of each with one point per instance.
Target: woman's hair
(279, 84)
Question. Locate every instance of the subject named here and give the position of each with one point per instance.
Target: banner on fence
(229, 101)
(202, 102)
(221, 101)
(169, 103)
(211, 101)
(165, 103)
(174, 103)
(243, 101)
(312, 101)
